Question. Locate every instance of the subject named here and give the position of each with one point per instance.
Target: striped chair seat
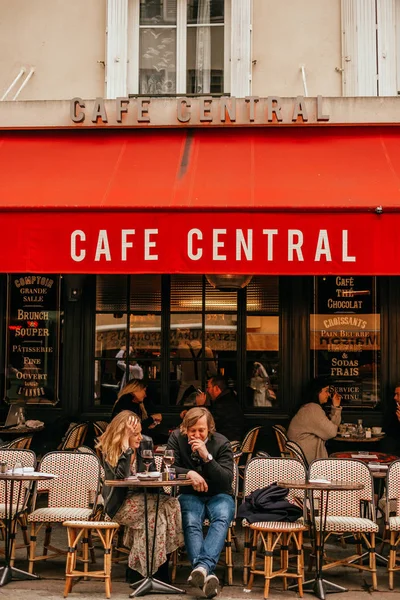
(59, 515)
(94, 524)
(394, 523)
(354, 524)
(279, 525)
(3, 510)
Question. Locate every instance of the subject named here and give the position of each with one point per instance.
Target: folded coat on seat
(269, 504)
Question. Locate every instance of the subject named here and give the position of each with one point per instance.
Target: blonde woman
(121, 446)
(132, 397)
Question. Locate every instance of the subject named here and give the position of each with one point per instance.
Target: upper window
(370, 47)
(178, 47)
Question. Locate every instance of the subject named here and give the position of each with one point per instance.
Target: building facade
(195, 187)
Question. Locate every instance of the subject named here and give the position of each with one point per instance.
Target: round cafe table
(150, 584)
(319, 585)
(15, 501)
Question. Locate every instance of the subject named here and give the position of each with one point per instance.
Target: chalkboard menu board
(33, 334)
(345, 337)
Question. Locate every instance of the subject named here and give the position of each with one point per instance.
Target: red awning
(268, 200)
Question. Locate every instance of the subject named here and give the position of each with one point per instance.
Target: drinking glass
(169, 458)
(147, 457)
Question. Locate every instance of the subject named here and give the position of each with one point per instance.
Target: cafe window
(262, 342)
(203, 336)
(180, 331)
(128, 334)
(345, 337)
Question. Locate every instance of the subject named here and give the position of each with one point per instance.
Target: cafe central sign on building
(198, 111)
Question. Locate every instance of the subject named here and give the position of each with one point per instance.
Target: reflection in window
(262, 360)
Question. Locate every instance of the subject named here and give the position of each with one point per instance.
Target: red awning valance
(280, 201)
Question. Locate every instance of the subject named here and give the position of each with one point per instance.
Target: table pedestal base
(8, 573)
(320, 586)
(151, 585)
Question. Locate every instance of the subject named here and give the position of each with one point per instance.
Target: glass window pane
(145, 336)
(345, 337)
(263, 294)
(146, 292)
(220, 301)
(205, 11)
(221, 333)
(111, 292)
(158, 12)
(262, 360)
(185, 328)
(205, 60)
(106, 382)
(157, 62)
(111, 334)
(186, 293)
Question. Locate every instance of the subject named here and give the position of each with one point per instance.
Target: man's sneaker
(211, 586)
(197, 577)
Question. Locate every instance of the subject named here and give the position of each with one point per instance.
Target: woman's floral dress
(169, 534)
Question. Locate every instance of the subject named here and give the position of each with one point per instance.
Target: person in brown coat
(310, 427)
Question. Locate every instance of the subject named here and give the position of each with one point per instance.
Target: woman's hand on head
(336, 399)
(131, 426)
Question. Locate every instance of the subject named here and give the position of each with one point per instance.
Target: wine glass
(168, 458)
(147, 457)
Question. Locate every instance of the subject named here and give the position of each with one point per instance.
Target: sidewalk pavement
(50, 586)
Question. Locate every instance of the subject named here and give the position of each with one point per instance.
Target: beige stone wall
(291, 33)
(62, 39)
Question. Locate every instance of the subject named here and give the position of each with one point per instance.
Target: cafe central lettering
(241, 240)
(203, 109)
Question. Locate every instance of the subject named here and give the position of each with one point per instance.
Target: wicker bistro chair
(281, 438)
(99, 427)
(393, 520)
(261, 472)
(72, 496)
(348, 512)
(295, 451)
(27, 458)
(74, 437)
(229, 536)
(22, 443)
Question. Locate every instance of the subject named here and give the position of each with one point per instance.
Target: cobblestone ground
(51, 582)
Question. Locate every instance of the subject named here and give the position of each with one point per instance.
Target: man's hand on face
(198, 482)
(398, 413)
(199, 447)
(201, 399)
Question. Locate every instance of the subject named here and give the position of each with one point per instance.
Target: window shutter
(386, 12)
(117, 48)
(359, 48)
(240, 48)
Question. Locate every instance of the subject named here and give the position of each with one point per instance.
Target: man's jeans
(220, 510)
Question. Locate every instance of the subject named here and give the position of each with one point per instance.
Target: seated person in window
(310, 427)
(133, 397)
(225, 408)
(121, 445)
